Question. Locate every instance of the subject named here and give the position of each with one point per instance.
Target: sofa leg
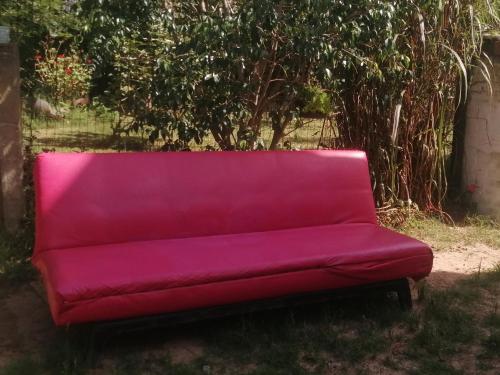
(404, 294)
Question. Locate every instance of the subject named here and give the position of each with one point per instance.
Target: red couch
(131, 234)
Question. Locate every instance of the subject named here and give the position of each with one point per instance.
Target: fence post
(11, 157)
(481, 168)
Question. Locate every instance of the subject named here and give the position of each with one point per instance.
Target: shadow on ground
(453, 329)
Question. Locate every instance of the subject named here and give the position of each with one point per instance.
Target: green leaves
(317, 101)
(383, 73)
(62, 77)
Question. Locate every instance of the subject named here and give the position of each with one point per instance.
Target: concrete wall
(481, 168)
(11, 159)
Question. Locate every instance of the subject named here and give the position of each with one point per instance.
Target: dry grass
(452, 330)
(471, 231)
(98, 131)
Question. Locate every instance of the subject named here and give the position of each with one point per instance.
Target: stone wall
(11, 159)
(481, 168)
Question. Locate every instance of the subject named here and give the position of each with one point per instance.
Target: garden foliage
(62, 77)
(32, 23)
(387, 75)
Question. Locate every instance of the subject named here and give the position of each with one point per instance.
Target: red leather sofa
(132, 234)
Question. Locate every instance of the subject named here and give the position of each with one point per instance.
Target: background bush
(389, 75)
(62, 76)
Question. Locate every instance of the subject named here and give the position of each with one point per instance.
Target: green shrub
(62, 77)
(31, 23)
(388, 74)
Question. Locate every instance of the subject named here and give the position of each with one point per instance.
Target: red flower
(89, 61)
(60, 56)
(471, 188)
(38, 57)
(68, 71)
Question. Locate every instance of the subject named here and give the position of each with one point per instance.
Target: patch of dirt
(308, 362)
(180, 349)
(25, 324)
(451, 266)
(184, 350)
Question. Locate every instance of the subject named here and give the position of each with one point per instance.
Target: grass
(95, 129)
(470, 231)
(15, 252)
(447, 332)
(79, 130)
(22, 366)
(444, 329)
(351, 336)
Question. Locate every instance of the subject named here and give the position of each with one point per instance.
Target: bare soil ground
(26, 330)
(461, 261)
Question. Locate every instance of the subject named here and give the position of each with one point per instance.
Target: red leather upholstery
(122, 235)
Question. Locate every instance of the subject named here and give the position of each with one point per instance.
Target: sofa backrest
(85, 199)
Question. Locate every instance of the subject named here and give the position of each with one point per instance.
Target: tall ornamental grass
(409, 74)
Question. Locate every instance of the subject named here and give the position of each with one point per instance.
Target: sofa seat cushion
(359, 253)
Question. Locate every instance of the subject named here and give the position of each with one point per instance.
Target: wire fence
(77, 129)
(91, 129)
